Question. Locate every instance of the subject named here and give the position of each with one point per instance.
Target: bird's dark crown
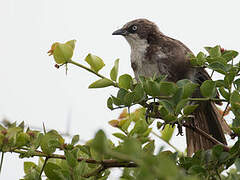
(144, 28)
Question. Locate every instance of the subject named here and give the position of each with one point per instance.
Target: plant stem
(92, 71)
(44, 164)
(165, 141)
(212, 73)
(106, 163)
(1, 161)
(206, 99)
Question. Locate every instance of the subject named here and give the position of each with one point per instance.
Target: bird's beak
(122, 32)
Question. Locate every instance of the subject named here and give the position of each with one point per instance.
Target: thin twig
(225, 110)
(1, 161)
(218, 174)
(44, 164)
(106, 163)
(90, 70)
(165, 141)
(212, 73)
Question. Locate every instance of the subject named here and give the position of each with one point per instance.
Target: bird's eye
(134, 27)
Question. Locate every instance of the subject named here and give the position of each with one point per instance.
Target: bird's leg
(151, 108)
(180, 130)
(179, 124)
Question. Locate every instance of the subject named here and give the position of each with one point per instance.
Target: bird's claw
(180, 129)
(150, 109)
(172, 124)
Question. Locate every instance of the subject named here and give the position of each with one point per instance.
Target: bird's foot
(150, 109)
(179, 127)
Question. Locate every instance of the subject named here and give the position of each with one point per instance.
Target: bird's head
(137, 31)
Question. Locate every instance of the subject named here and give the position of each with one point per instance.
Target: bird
(153, 53)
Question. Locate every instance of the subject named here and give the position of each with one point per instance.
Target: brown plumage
(153, 53)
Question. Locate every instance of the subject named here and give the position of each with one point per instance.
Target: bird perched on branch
(153, 53)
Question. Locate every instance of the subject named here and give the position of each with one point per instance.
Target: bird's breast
(142, 66)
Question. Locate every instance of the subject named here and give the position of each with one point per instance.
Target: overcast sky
(34, 91)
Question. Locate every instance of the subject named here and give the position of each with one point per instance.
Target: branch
(90, 70)
(44, 164)
(109, 163)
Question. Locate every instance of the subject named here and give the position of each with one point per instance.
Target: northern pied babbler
(153, 53)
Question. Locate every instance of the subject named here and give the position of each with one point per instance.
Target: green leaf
(224, 93)
(188, 87)
(124, 124)
(237, 164)
(114, 71)
(235, 102)
(208, 88)
(229, 55)
(180, 105)
(128, 99)
(237, 83)
(132, 148)
(235, 126)
(140, 127)
(95, 62)
(218, 66)
(177, 96)
(201, 58)
(189, 109)
(28, 166)
(216, 151)
(33, 175)
(80, 169)
(216, 59)
(196, 169)
(167, 133)
(228, 79)
(13, 131)
(62, 53)
(71, 43)
(101, 83)
(215, 51)
(116, 101)
(51, 171)
(153, 88)
(110, 103)
(125, 81)
(121, 94)
(71, 159)
(99, 142)
(75, 139)
(167, 88)
(167, 105)
(120, 136)
(22, 139)
(223, 157)
(138, 93)
(149, 147)
(49, 143)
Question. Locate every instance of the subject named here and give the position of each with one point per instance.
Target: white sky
(34, 91)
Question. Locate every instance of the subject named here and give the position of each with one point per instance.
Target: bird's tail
(208, 119)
